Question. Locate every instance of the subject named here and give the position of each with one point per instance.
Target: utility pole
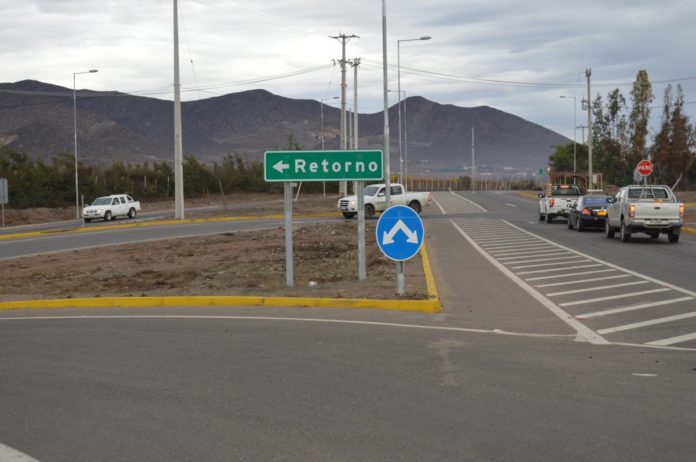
(178, 144)
(473, 161)
(343, 38)
(583, 132)
(358, 186)
(354, 64)
(588, 73)
(385, 81)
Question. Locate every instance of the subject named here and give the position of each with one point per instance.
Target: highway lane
(233, 388)
(645, 299)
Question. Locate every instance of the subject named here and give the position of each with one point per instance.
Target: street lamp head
(426, 37)
(92, 71)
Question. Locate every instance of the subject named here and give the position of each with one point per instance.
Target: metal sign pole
(288, 235)
(400, 278)
(362, 267)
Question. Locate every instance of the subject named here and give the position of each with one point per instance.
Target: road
(500, 374)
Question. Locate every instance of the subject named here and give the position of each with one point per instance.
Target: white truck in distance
(375, 200)
(110, 207)
(645, 209)
(558, 201)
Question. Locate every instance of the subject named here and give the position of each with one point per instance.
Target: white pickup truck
(375, 200)
(558, 201)
(645, 209)
(110, 207)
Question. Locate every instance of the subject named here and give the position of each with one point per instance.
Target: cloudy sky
(517, 56)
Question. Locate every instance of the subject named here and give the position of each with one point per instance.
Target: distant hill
(37, 118)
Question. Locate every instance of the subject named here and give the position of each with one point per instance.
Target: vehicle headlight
(353, 202)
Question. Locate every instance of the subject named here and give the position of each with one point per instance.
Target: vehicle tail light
(586, 211)
(632, 210)
(552, 202)
(681, 210)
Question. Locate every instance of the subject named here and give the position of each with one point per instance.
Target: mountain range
(37, 118)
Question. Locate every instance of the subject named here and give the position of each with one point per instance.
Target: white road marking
(640, 306)
(652, 322)
(8, 454)
(533, 254)
(564, 259)
(512, 245)
(673, 340)
(539, 265)
(522, 251)
(580, 281)
(638, 374)
(614, 297)
(515, 247)
(469, 201)
(593, 289)
(556, 276)
(439, 206)
(556, 269)
(510, 205)
(271, 318)
(581, 329)
(514, 237)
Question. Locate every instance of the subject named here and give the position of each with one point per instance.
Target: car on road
(557, 201)
(110, 207)
(589, 212)
(376, 201)
(649, 209)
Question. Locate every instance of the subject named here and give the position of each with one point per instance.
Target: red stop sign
(645, 167)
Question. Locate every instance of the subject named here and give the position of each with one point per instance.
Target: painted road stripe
(614, 297)
(581, 273)
(510, 205)
(652, 322)
(506, 252)
(673, 340)
(514, 245)
(545, 259)
(561, 269)
(533, 254)
(469, 201)
(7, 454)
(539, 265)
(582, 330)
(439, 206)
(499, 239)
(625, 309)
(592, 289)
(581, 281)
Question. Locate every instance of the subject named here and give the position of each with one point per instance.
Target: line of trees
(38, 183)
(620, 137)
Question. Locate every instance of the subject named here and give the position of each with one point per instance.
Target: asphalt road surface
(514, 368)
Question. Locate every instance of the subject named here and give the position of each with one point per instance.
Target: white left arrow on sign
(411, 236)
(280, 166)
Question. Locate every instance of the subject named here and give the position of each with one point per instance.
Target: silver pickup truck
(558, 201)
(645, 209)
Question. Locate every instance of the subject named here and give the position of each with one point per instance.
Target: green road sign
(322, 165)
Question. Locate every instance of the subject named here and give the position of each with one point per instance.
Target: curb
(431, 305)
(689, 230)
(153, 223)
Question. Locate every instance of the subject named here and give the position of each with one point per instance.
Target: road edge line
(429, 278)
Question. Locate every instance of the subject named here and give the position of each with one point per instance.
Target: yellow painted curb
(160, 223)
(423, 306)
(690, 205)
(689, 230)
(429, 279)
(528, 194)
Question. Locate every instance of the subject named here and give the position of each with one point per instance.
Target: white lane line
(580, 281)
(581, 273)
(8, 454)
(523, 251)
(610, 265)
(539, 265)
(512, 245)
(673, 340)
(510, 239)
(568, 255)
(625, 309)
(561, 269)
(652, 322)
(614, 297)
(593, 289)
(582, 330)
(508, 248)
(439, 206)
(533, 254)
(285, 319)
(469, 201)
(510, 205)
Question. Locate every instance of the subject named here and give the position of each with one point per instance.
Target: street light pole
(398, 90)
(575, 130)
(77, 188)
(321, 114)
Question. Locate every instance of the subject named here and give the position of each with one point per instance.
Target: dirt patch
(241, 263)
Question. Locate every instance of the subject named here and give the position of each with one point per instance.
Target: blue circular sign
(400, 233)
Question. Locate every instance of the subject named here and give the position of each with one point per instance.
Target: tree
(642, 96)
(562, 159)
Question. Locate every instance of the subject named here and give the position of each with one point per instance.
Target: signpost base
(289, 277)
(400, 278)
